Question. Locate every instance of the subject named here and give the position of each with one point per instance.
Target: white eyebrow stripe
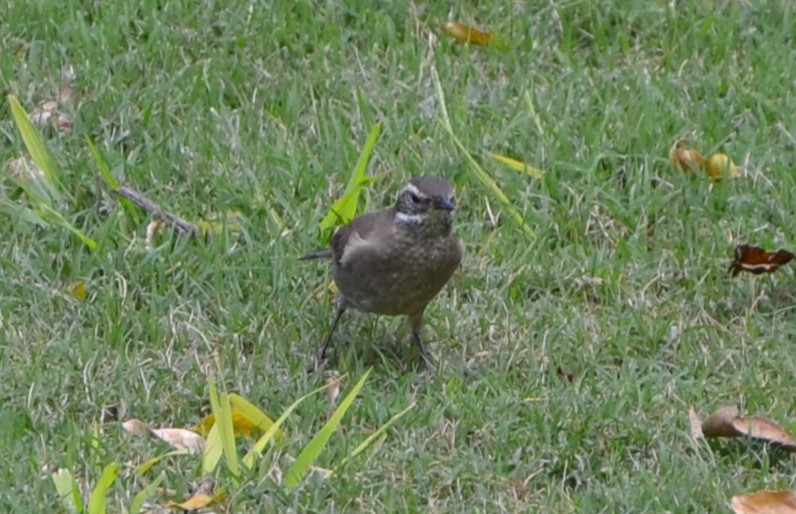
(411, 187)
(410, 218)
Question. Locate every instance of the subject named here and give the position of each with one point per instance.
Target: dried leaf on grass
(178, 438)
(765, 502)
(727, 422)
(687, 159)
(684, 158)
(202, 497)
(241, 425)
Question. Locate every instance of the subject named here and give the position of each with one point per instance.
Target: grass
(262, 108)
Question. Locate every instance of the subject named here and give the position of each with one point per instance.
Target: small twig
(182, 226)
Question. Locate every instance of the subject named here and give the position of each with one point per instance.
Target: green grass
(263, 107)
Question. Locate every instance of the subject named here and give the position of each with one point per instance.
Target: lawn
(568, 353)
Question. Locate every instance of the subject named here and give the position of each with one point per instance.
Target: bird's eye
(414, 198)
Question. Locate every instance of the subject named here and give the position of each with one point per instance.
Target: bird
(393, 262)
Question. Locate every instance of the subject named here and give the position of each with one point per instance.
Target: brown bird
(395, 261)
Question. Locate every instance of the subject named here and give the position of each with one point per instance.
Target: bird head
(426, 203)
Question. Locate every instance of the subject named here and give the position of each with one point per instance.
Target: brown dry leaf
(765, 502)
(332, 391)
(135, 427)
(684, 158)
(727, 422)
(696, 424)
(719, 424)
(766, 430)
(240, 424)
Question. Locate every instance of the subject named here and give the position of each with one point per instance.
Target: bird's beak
(442, 203)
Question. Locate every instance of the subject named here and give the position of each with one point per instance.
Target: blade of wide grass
(96, 504)
(479, 172)
(213, 451)
(255, 416)
(261, 443)
(37, 149)
(68, 492)
(313, 449)
(42, 193)
(102, 165)
(219, 404)
(19, 212)
(345, 208)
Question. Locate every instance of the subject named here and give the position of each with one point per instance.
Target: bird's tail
(324, 253)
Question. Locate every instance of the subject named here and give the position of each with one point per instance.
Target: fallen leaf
(518, 165)
(727, 422)
(684, 158)
(78, 290)
(180, 438)
(696, 424)
(241, 425)
(462, 33)
(719, 165)
(756, 260)
(761, 428)
(765, 502)
(135, 427)
(201, 498)
(719, 424)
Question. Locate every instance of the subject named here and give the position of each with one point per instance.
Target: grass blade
(140, 498)
(313, 449)
(259, 446)
(213, 451)
(102, 165)
(37, 149)
(375, 435)
(18, 212)
(482, 175)
(96, 504)
(344, 209)
(219, 403)
(255, 416)
(54, 216)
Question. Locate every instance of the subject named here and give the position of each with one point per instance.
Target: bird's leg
(342, 305)
(415, 325)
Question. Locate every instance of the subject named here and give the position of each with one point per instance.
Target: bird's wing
(361, 235)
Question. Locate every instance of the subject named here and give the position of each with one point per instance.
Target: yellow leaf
(518, 165)
(719, 165)
(241, 426)
(78, 290)
(197, 501)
